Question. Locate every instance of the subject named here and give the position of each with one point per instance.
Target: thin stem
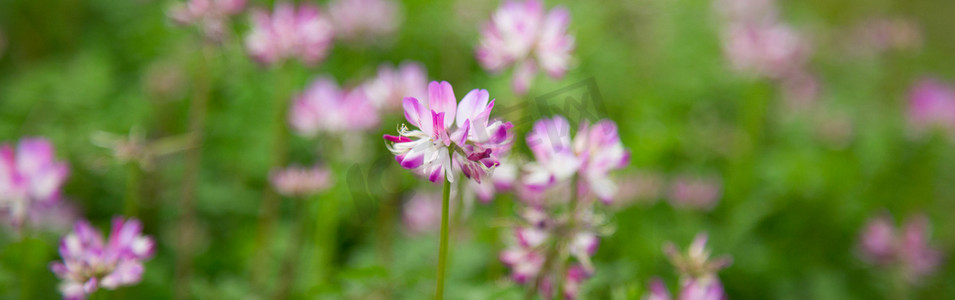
(327, 236)
(134, 176)
(270, 198)
(297, 238)
(443, 247)
(190, 178)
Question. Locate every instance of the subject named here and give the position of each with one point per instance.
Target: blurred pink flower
(601, 151)
(212, 16)
(422, 213)
(302, 33)
(450, 136)
(690, 290)
(878, 35)
(29, 176)
(695, 192)
(323, 107)
(520, 34)
(931, 106)
(410, 79)
(770, 50)
(555, 160)
(502, 179)
(881, 245)
(300, 182)
(639, 187)
(89, 263)
(364, 20)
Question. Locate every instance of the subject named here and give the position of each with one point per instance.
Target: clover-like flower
(450, 138)
(931, 106)
(29, 176)
(908, 248)
(89, 262)
(303, 33)
(211, 16)
(324, 107)
(297, 181)
(521, 34)
(391, 85)
(364, 20)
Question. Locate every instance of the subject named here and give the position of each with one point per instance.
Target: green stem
(443, 247)
(297, 238)
(327, 236)
(133, 187)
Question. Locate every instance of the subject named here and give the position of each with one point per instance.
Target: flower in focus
(410, 79)
(211, 15)
(366, 20)
(450, 136)
(323, 106)
(89, 262)
(300, 182)
(302, 33)
(29, 176)
(520, 34)
(909, 249)
(593, 153)
(694, 192)
(931, 106)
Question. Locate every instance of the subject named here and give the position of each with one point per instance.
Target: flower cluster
(211, 16)
(909, 249)
(592, 154)
(300, 182)
(533, 256)
(289, 32)
(756, 41)
(30, 177)
(698, 280)
(363, 20)
(520, 34)
(326, 107)
(450, 138)
(931, 106)
(89, 262)
(391, 85)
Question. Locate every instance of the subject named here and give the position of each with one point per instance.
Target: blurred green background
(794, 197)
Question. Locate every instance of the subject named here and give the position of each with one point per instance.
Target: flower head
(695, 192)
(29, 176)
(211, 15)
(450, 136)
(410, 79)
(324, 107)
(689, 290)
(521, 34)
(300, 182)
(695, 262)
(302, 33)
(931, 106)
(89, 262)
(908, 249)
(365, 20)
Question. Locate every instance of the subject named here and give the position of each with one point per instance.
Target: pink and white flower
(689, 290)
(450, 138)
(931, 106)
(297, 181)
(365, 20)
(29, 176)
(772, 50)
(520, 34)
(324, 107)
(391, 85)
(89, 262)
(303, 33)
(212, 16)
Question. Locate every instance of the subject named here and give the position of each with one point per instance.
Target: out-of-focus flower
(909, 249)
(503, 179)
(211, 16)
(422, 213)
(302, 33)
(695, 262)
(392, 85)
(29, 176)
(800, 89)
(541, 235)
(593, 153)
(90, 263)
(522, 35)
(770, 50)
(878, 35)
(695, 192)
(690, 290)
(302, 182)
(323, 107)
(639, 187)
(931, 106)
(450, 136)
(164, 81)
(749, 11)
(364, 20)
(134, 148)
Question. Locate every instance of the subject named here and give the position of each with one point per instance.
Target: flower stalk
(443, 246)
